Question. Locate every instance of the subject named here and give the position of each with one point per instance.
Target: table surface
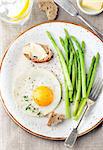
(13, 137)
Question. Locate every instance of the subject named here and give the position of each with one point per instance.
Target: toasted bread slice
(28, 49)
(50, 8)
(55, 119)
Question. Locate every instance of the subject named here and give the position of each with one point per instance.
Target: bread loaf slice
(50, 8)
(55, 119)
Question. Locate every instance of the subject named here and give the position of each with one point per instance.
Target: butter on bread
(30, 52)
(55, 119)
(50, 8)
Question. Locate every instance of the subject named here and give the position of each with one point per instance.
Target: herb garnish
(25, 98)
(28, 107)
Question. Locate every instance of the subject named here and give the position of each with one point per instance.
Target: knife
(71, 9)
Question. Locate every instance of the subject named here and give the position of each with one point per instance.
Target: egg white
(27, 82)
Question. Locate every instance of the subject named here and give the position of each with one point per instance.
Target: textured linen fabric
(13, 137)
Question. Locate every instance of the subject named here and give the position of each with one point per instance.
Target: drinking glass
(15, 11)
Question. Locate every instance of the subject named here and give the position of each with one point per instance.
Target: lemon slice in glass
(19, 9)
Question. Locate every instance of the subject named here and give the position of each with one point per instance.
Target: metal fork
(68, 6)
(94, 94)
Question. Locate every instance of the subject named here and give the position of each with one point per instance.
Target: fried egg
(37, 92)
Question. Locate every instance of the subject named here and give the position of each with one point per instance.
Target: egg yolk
(43, 95)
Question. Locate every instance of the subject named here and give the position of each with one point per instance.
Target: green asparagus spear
(65, 49)
(93, 74)
(90, 70)
(83, 46)
(63, 63)
(67, 37)
(74, 72)
(70, 62)
(70, 41)
(67, 105)
(73, 97)
(66, 33)
(84, 100)
(81, 107)
(62, 42)
(78, 94)
(82, 63)
(73, 75)
(77, 58)
(71, 45)
(66, 42)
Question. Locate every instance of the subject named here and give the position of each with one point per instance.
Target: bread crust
(50, 8)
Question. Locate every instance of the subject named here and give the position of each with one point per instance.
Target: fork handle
(95, 30)
(71, 139)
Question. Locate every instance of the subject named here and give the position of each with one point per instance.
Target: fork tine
(94, 87)
(98, 90)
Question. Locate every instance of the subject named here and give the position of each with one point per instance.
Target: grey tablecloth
(13, 137)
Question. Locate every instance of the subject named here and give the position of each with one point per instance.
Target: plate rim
(3, 103)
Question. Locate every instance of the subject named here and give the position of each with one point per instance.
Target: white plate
(13, 65)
